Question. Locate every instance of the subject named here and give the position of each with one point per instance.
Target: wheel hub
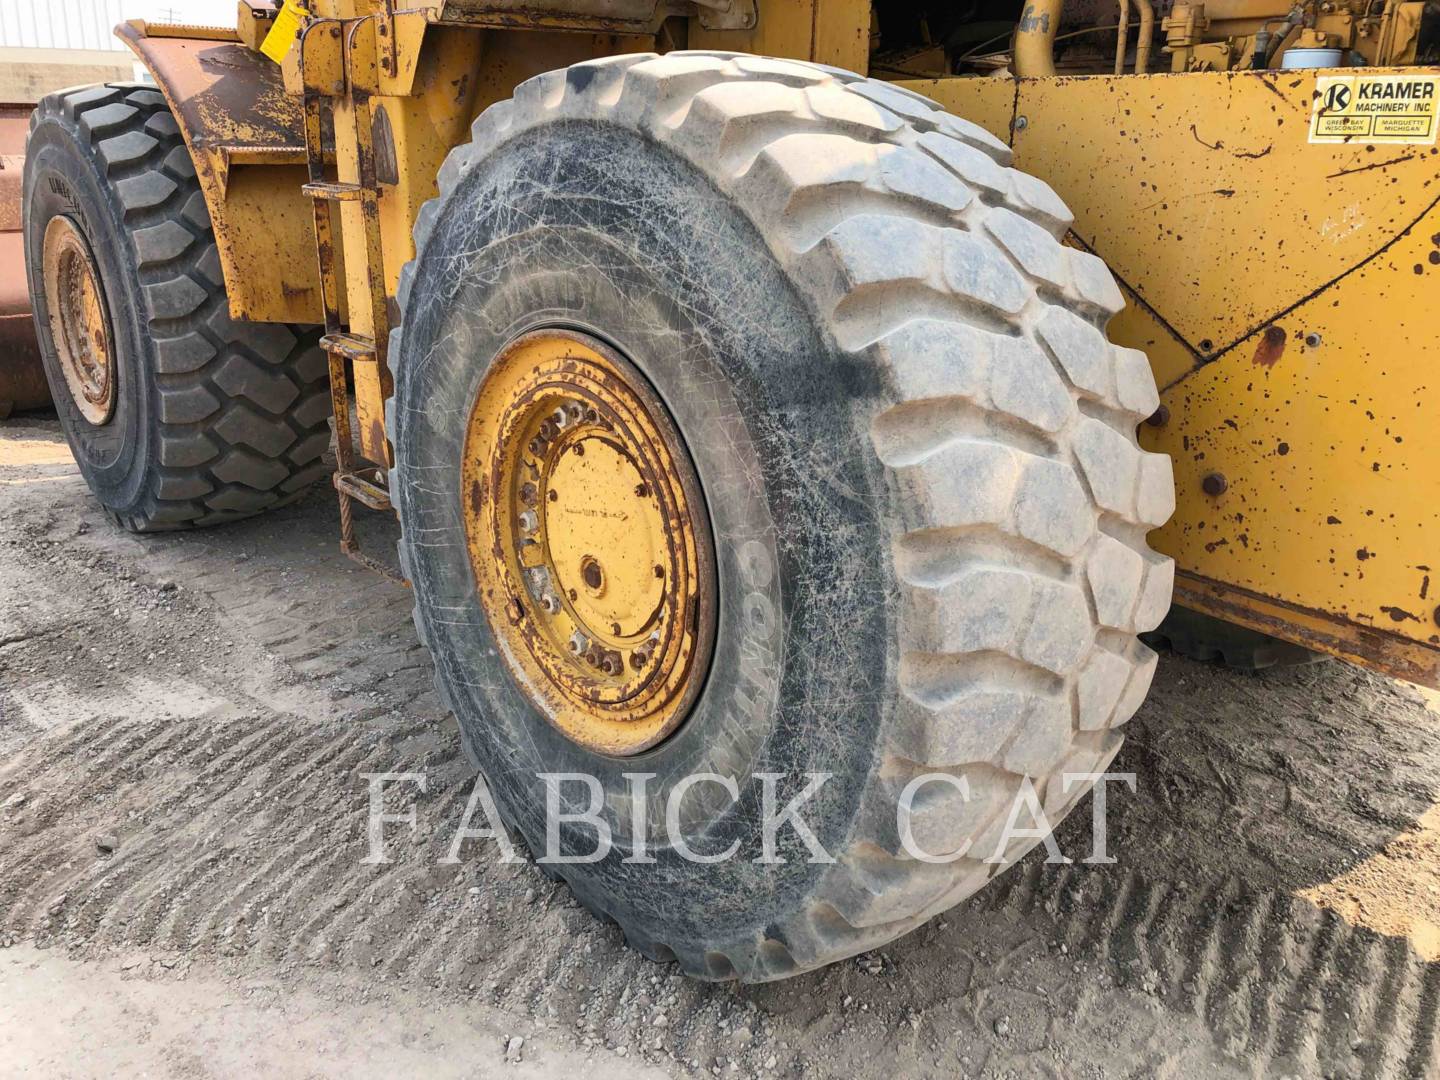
(79, 323)
(589, 540)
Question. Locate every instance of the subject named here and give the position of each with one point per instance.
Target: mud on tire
(214, 419)
(916, 444)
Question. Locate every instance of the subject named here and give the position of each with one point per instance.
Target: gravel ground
(184, 721)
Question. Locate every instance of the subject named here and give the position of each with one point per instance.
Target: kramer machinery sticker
(1375, 109)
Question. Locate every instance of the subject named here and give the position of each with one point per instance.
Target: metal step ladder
(358, 356)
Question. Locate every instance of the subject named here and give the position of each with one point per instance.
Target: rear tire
(1204, 638)
(213, 419)
(917, 450)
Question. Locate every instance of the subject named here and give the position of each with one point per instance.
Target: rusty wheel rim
(589, 540)
(79, 322)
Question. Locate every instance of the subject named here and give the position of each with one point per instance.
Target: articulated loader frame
(1283, 288)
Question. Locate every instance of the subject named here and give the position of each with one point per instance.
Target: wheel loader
(800, 404)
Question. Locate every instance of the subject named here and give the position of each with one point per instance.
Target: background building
(46, 45)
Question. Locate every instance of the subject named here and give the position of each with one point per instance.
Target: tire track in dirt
(324, 681)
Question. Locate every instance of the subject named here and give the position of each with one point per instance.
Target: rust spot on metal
(1381, 650)
(1271, 346)
(1398, 614)
(376, 432)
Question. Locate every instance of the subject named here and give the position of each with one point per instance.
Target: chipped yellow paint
(1284, 293)
(244, 136)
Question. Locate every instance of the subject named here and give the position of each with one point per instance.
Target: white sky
(87, 24)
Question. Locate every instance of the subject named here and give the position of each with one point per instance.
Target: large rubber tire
(214, 419)
(1198, 636)
(917, 450)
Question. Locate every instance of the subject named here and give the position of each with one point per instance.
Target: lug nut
(548, 430)
(576, 412)
(549, 603)
(538, 446)
(528, 494)
(1214, 484)
(529, 521)
(639, 659)
(578, 643)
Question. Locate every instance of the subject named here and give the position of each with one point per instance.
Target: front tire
(916, 448)
(192, 418)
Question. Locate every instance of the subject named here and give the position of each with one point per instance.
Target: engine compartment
(1092, 37)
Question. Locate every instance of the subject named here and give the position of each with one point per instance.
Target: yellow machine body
(1282, 282)
(1284, 291)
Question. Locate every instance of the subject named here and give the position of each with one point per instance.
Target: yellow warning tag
(281, 38)
(1375, 109)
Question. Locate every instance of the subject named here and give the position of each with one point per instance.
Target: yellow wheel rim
(79, 325)
(589, 540)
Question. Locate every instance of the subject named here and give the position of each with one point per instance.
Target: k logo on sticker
(1337, 98)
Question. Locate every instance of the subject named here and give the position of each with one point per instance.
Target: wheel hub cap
(79, 323)
(589, 541)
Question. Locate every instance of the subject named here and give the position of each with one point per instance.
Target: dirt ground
(184, 721)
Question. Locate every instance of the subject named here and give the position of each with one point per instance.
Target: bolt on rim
(79, 321)
(589, 540)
